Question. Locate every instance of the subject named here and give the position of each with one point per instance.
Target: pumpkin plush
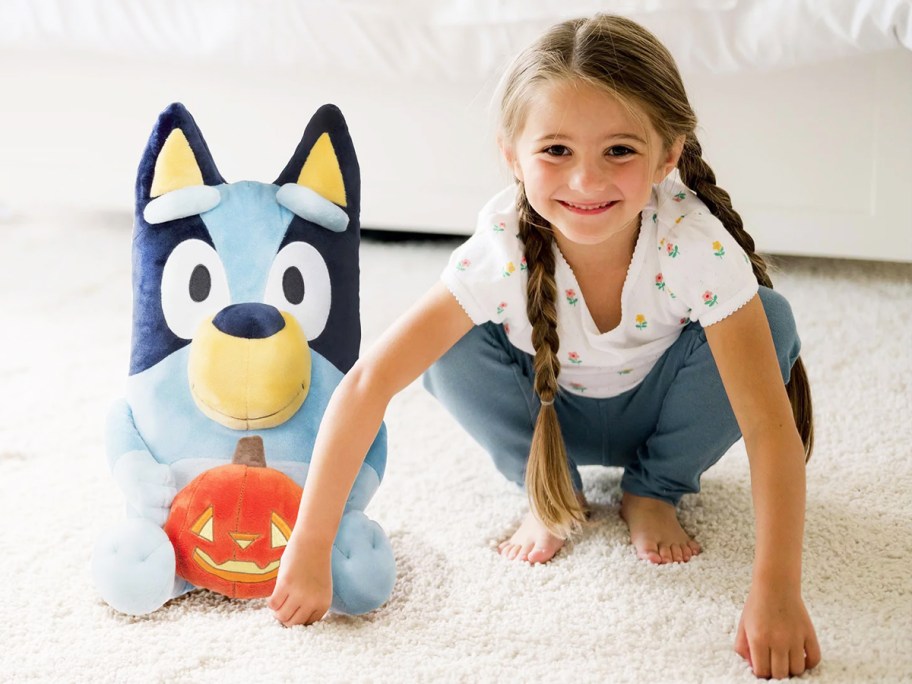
(230, 525)
(245, 317)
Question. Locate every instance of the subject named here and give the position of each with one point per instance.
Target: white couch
(805, 106)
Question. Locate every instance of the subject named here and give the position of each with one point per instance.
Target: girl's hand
(303, 590)
(775, 634)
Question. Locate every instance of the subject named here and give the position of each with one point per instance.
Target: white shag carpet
(458, 612)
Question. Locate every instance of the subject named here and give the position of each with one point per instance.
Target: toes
(525, 551)
(665, 553)
(677, 555)
(649, 552)
(651, 556)
(694, 547)
(541, 554)
(686, 552)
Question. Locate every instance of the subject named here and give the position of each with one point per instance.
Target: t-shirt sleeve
(485, 273)
(705, 267)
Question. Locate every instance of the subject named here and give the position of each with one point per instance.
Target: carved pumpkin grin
(234, 570)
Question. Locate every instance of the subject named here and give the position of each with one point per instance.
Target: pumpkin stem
(250, 452)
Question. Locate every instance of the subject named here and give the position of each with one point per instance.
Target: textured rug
(458, 612)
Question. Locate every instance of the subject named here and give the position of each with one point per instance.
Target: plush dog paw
(363, 566)
(133, 567)
(148, 485)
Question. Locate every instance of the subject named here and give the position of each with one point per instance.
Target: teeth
(590, 207)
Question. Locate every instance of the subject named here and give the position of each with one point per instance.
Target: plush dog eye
(194, 287)
(299, 284)
(200, 283)
(293, 285)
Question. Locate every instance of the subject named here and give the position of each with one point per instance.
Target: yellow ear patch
(176, 166)
(321, 172)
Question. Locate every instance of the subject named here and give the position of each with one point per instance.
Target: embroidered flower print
(499, 227)
(655, 218)
(672, 250)
(641, 322)
(679, 197)
(680, 218)
(508, 269)
(574, 358)
(507, 328)
(578, 387)
(463, 265)
(683, 321)
(501, 307)
(660, 281)
(626, 371)
(710, 299)
(572, 299)
(523, 266)
(718, 249)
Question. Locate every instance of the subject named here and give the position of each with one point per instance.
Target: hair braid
(548, 481)
(699, 177)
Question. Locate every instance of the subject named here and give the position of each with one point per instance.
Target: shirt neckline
(633, 269)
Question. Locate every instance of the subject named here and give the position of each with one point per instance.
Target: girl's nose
(588, 176)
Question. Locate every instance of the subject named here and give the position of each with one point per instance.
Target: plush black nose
(252, 321)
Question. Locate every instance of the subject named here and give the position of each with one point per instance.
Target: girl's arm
(423, 334)
(775, 634)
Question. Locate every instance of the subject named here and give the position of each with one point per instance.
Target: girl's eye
(620, 151)
(557, 150)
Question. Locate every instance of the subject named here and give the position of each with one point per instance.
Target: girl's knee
(783, 328)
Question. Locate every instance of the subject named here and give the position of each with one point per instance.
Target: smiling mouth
(235, 570)
(587, 209)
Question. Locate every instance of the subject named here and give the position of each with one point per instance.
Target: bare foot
(532, 542)
(655, 530)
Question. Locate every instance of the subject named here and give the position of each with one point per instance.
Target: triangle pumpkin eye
(203, 526)
(280, 531)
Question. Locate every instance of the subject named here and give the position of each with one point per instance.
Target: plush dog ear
(177, 172)
(322, 181)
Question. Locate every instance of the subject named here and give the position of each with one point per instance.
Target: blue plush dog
(245, 317)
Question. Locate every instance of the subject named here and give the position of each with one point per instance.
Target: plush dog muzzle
(250, 367)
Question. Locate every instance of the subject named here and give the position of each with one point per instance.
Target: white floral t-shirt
(685, 267)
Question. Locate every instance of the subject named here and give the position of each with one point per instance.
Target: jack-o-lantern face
(229, 527)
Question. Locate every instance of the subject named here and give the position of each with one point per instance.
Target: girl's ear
(673, 155)
(509, 155)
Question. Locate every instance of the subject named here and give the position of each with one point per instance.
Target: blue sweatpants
(665, 433)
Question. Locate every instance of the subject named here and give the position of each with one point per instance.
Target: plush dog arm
(147, 485)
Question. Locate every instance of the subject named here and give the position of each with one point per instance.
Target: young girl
(609, 310)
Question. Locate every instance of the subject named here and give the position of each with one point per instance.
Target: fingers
(759, 658)
(290, 612)
(275, 601)
(797, 660)
(741, 646)
(779, 663)
(812, 651)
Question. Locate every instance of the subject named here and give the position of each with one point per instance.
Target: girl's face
(587, 161)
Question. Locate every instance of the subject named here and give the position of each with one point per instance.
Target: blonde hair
(621, 57)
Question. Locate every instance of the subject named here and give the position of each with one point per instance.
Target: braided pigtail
(548, 482)
(699, 177)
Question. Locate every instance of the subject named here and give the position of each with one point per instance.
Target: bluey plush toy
(245, 317)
